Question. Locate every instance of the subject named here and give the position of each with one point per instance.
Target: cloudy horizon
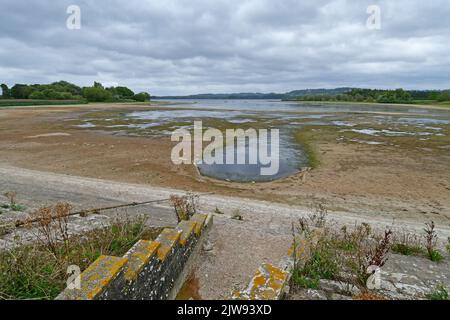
(177, 47)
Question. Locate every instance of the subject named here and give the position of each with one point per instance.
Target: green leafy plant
(448, 245)
(304, 282)
(408, 244)
(439, 293)
(407, 250)
(13, 205)
(38, 271)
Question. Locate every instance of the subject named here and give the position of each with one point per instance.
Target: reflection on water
(290, 159)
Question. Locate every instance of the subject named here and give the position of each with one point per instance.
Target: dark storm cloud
(178, 47)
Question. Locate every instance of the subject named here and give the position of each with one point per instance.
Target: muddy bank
(377, 180)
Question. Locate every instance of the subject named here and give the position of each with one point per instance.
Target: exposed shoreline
(382, 181)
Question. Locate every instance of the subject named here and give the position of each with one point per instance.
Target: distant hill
(258, 95)
(317, 92)
(227, 96)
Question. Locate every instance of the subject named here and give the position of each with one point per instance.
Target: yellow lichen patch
(138, 257)
(99, 275)
(186, 228)
(200, 219)
(168, 239)
(267, 284)
(259, 280)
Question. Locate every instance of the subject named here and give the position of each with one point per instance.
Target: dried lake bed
(379, 160)
(299, 125)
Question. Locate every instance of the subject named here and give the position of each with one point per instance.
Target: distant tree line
(381, 96)
(64, 90)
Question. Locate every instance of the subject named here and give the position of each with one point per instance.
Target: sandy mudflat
(357, 178)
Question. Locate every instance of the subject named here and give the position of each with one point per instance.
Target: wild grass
(12, 205)
(439, 293)
(25, 102)
(431, 239)
(408, 244)
(304, 139)
(184, 206)
(38, 271)
(342, 255)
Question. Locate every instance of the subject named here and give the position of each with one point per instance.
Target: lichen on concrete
(138, 257)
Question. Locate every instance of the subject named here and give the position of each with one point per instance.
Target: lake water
(362, 119)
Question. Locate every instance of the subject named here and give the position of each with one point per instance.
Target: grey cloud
(180, 47)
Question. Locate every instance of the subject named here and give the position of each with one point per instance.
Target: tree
(141, 97)
(5, 91)
(96, 94)
(21, 91)
(124, 92)
(444, 96)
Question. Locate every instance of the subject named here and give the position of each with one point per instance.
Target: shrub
(141, 97)
(96, 94)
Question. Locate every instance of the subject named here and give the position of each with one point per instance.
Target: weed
(407, 250)
(304, 282)
(13, 205)
(408, 244)
(342, 255)
(185, 206)
(431, 239)
(39, 271)
(439, 293)
(11, 195)
(218, 211)
(448, 245)
(318, 215)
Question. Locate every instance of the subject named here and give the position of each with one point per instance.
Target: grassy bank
(40, 271)
(305, 139)
(29, 102)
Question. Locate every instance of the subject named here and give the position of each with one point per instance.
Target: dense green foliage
(64, 90)
(380, 96)
(6, 94)
(141, 97)
(30, 102)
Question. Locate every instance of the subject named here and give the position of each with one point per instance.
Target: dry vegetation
(351, 255)
(39, 271)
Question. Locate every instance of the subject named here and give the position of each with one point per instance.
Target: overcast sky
(196, 46)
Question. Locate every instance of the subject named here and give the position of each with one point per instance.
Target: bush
(96, 94)
(141, 97)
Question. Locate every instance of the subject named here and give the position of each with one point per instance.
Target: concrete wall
(151, 270)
